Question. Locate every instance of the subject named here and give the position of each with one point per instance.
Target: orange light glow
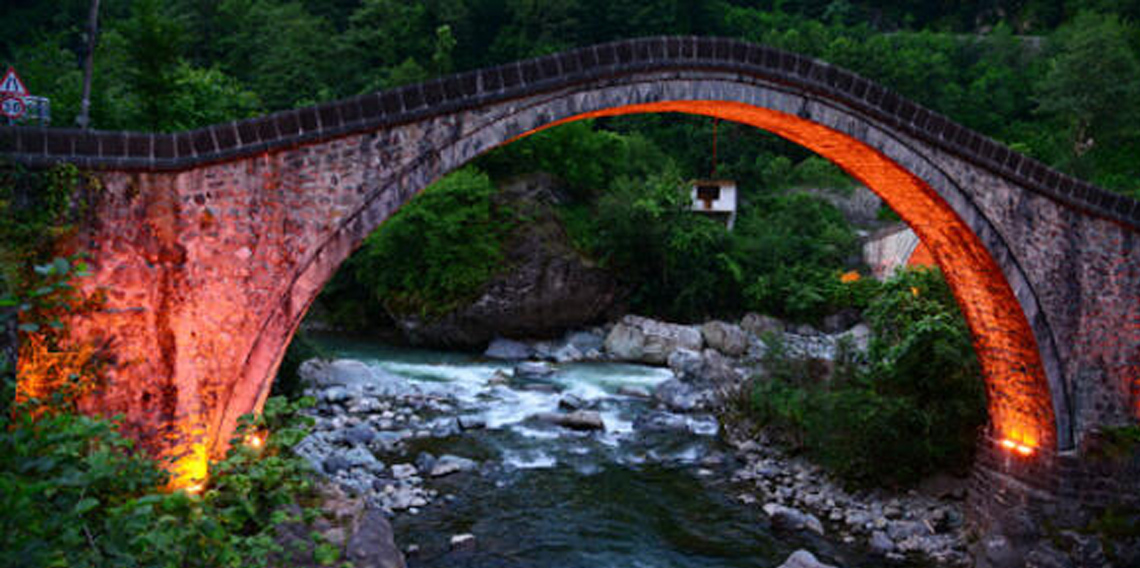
(849, 277)
(255, 440)
(921, 256)
(1018, 447)
(191, 470)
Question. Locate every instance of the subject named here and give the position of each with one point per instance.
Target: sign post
(12, 93)
(16, 103)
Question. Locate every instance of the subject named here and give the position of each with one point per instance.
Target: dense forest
(1059, 80)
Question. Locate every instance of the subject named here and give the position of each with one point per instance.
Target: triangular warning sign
(12, 85)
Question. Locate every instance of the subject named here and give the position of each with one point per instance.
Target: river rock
(858, 337)
(448, 464)
(335, 395)
(464, 541)
(685, 363)
(532, 370)
(372, 544)
(577, 420)
(507, 350)
(1044, 555)
(571, 402)
(585, 341)
(840, 321)
(803, 559)
(900, 530)
(677, 395)
(360, 435)
(499, 377)
(787, 518)
(356, 457)
(998, 552)
(706, 425)
(403, 470)
(881, 544)
(635, 338)
(759, 325)
(660, 421)
(634, 391)
(444, 427)
(472, 422)
(567, 354)
(424, 461)
(727, 338)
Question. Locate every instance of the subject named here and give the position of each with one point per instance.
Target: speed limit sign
(12, 107)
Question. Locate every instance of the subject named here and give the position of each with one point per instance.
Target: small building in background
(715, 198)
(893, 247)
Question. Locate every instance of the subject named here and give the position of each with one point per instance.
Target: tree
(288, 63)
(153, 49)
(1092, 88)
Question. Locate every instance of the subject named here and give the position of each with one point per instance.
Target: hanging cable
(716, 120)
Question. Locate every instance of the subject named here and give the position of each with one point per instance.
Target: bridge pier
(1041, 498)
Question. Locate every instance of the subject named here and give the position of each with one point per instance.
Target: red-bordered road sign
(11, 85)
(13, 107)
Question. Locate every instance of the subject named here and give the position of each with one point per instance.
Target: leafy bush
(678, 263)
(77, 493)
(793, 248)
(439, 249)
(913, 409)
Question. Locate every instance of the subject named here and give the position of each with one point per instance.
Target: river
(653, 490)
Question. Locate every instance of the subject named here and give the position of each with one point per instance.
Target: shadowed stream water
(653, 490)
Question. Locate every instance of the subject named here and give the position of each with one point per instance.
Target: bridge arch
(241, 224)
(1023, 404)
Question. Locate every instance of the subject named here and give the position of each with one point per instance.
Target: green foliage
(76, 493)
(914, 408)
(586, 159)
(795, 247)
(678, 262)
(1092, 89)
(154, 44)
(438, 250)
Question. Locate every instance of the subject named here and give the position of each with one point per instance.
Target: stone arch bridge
(212, 243)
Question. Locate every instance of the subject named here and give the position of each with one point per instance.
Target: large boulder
(372, 544)
(340, 378)
(507, 349)
(727, 338)
(708, 370)
(790, 519)
(448, 464)
(759, 325)
(577, 420)
(803, 559)
(678, 396)
(635, 338)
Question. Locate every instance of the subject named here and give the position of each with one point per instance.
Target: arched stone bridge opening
(213, 243)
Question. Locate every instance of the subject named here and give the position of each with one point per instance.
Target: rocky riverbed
(416, 434)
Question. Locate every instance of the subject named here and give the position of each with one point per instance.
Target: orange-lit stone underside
(207, 381)
(1020, 406)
